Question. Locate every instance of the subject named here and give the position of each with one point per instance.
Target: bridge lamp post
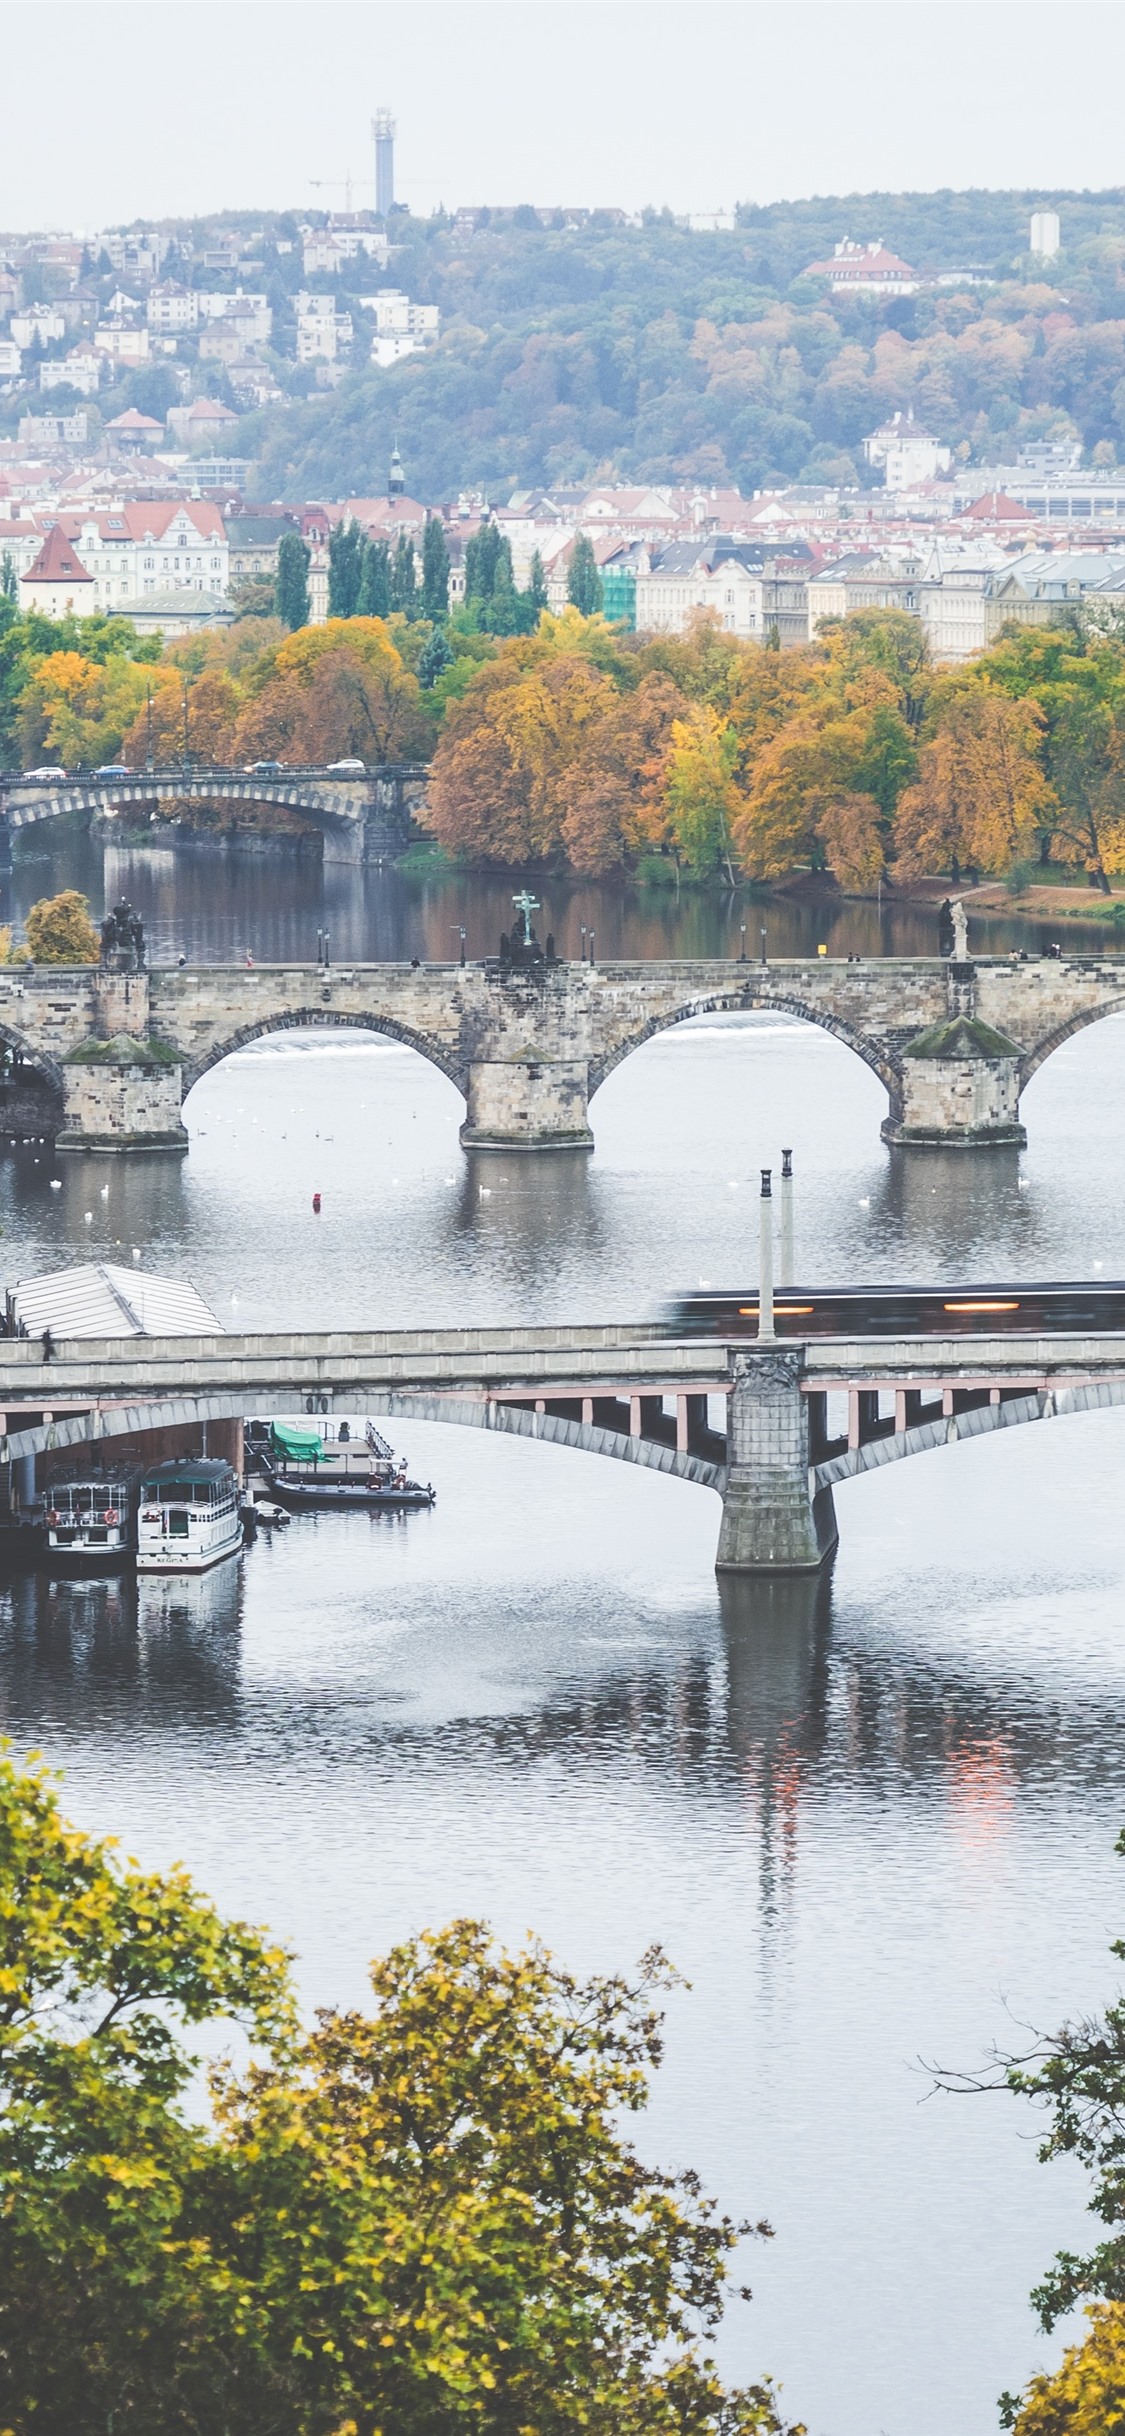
(765, 1258)
(765, 958)
(582, 943)
(458, 930)
(742, 943)
(786, 1260)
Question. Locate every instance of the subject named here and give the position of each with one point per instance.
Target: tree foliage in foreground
(423, 2219)
(59, 930)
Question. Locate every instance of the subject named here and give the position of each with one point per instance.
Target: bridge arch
(326, 1019)
(748, 997)
(1042, 1404)
(1045, 1048)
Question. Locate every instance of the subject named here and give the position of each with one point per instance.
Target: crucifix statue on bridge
(523, 947)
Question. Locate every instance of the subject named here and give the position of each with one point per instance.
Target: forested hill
(656, 354)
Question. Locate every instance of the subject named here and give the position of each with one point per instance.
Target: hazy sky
(119, 108)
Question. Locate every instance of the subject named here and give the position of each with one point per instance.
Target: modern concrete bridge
(362, 819)
(953, 1044)
(753, 1421)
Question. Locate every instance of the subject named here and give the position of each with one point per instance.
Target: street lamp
(458, 929)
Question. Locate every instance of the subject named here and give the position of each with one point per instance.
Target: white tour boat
(89, 1524)
(189, 1516)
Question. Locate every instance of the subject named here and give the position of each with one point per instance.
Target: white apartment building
(673, 582)
(82, 370)
(321, 330)
(11, 360)
(124, 342)
(907, 454)
(396, 317)
(172, 308)
(864, 582)
(132, 549)
(40, 323)
(249, 314)
(327, 249)
(140, 250)
(386, 351)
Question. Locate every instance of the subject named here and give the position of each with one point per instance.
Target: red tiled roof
(998, 508)
(132, 420)
(58, 562)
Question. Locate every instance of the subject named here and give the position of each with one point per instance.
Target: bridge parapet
(361, 818)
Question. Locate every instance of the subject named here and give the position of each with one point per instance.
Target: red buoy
(316, 1203)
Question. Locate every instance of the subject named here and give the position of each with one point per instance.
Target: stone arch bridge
(362, 818)
(952, 1044)
(752, 1421)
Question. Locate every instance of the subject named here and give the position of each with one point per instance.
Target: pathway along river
(869, 1830)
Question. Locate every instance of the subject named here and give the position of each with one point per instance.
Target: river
(873, 1827)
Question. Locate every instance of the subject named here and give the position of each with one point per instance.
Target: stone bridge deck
(953, 1045)
(639, 1395)
(361, 818)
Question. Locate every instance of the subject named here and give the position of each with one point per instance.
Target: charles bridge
(113, 1054)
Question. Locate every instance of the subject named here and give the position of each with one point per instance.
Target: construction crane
(346, 184)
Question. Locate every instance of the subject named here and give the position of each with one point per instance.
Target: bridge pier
(522, 1103)
(960, 1079)
(771, 1522)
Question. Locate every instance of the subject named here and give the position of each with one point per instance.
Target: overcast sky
(114, 109)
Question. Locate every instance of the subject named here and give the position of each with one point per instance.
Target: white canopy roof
(96, 1298)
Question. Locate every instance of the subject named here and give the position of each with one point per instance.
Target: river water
(873, 1826)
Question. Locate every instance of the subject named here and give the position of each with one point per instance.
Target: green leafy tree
(404, 596)
(584, 584)
(436, 656)
(425, 2219)
(345, 568)
(537, 585)
(375, 581)
(9, 587)
(292, 588)
(435, 570)
(59, 930)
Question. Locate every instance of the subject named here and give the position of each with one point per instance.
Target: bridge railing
(176, 774)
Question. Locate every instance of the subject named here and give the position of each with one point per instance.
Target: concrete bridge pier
(959, 1079)
(122, 1091)
(524, 1103)
(771, 1523)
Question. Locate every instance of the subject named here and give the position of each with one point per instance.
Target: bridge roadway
(634, 1393)
(953, 1044)
(362, 816)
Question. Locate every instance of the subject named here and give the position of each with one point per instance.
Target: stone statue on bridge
(123, 940)
(522, 951)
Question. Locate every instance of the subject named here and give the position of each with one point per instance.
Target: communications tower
(383, 129)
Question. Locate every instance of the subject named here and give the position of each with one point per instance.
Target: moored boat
(305, 1473)
(89, 1523)
(189, 1516)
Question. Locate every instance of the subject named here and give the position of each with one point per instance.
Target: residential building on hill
(870, 269)
(172, 308)
(751, 592)
(130, 550)
(321, 330)
(82, 370)
(56, 583)
(908, 454)
(205, 420)
(863, 581)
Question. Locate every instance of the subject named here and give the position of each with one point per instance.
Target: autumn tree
(428, 2216)
(213, 702)
(75, 709)
(700, 792)
(981, 796)
(1085, 2394)
(331, 691)
(59, 930)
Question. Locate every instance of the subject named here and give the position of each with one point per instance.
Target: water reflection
(212, 907)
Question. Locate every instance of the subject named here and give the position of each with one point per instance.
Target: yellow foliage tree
(77, 710)
(1085, 2395)
(981, 794)
(700, 791)
(59, 930)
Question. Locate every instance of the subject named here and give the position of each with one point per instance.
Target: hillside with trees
(596, 350)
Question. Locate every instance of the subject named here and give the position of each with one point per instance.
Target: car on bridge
(112, 769)
(264, 769)
(348, 768)
(45, 774)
